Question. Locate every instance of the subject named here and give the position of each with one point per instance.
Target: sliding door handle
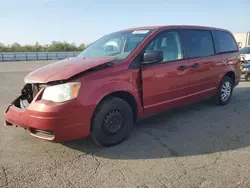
(182, 68)
(195, 65)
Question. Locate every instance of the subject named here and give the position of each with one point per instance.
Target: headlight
(62, 92)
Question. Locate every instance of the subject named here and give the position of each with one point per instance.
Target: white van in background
(245, 53)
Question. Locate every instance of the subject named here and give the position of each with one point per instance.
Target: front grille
(35, 89)
(28, 93)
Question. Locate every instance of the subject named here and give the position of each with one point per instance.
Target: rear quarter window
(224, 42)
(198, 43)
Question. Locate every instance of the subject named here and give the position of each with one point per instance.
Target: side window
(169, 43)
(198, 43)
(224, 42)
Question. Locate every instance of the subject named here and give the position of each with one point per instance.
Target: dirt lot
(200, 145)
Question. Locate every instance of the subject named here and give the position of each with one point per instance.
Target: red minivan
(124, 76)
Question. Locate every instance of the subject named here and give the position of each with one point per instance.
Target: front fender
(95, 94)
(112, 87)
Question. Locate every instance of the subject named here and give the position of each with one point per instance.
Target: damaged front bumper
(45, 119)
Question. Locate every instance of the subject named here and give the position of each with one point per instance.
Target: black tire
(218, 98)
(111, 114)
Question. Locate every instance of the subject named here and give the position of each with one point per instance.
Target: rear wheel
(112, 122)
(224, 92)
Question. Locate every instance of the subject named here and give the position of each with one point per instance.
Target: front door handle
(182, 68)
(195, 65)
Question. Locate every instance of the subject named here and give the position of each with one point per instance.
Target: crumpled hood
(65, 69)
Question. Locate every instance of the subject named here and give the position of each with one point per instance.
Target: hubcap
(226, 91)
(113, 122)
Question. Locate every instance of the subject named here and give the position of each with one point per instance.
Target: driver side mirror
(152, 57)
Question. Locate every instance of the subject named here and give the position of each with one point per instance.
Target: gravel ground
(199, 145)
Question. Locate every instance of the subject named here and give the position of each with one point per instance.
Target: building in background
(242, 38)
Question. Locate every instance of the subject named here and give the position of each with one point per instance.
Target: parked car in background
(124, 76)
(245, 53)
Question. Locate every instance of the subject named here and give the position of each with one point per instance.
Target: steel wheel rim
(113, 122)
(226, 91)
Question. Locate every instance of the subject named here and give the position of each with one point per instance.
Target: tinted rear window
(224, 42)
(198, 43)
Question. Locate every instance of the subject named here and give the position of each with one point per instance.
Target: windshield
(245, 50)
(120, 44)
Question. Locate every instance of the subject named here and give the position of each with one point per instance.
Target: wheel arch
(124, 95)
(231, 75)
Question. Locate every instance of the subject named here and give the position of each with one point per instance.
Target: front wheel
(224, 92)
(112, 122)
